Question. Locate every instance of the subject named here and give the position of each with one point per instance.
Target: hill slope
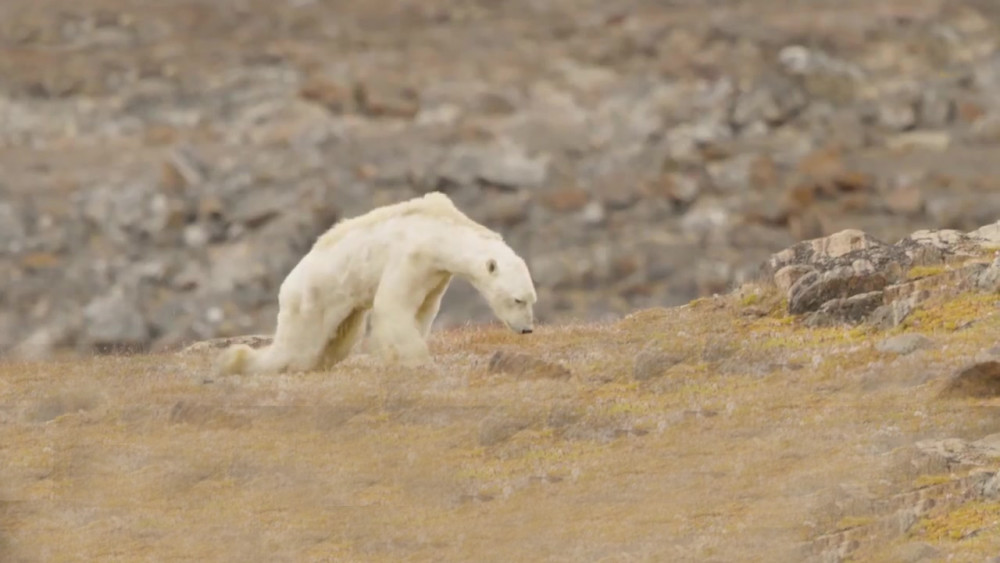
(717, 431)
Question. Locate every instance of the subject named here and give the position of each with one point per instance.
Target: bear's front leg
(395, 335)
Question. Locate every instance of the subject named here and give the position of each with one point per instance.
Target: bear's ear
(491, 266)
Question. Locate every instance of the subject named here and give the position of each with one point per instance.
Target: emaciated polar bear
(394, 262)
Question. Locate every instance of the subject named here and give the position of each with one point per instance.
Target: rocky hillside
(842, 407)
(164, 164)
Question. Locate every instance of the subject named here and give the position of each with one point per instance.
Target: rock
(333, 96)
(938, 246)
(956, 451)
(524, 366)
(733, 174)
(814, 289)
(905, 200)
(987, 234)
(936, 109)
(820, 250)
(935, 141)
(115, 321)
(903, 344)
(12, 229)
(773, 101)
(786, 277)
(501, 165)
(852, 310)
(980, 380)
(989, 278)
(892, 314)
(376, 98)
(897, 115)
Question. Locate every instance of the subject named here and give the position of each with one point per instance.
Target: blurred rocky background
(166, 162)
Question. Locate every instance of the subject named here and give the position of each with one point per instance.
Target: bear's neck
(466, 260)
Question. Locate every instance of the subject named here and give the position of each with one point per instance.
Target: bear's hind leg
(343, 339)
(304, 329)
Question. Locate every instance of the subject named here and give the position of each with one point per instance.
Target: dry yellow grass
(765, 436)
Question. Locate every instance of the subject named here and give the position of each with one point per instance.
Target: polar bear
(392, 264)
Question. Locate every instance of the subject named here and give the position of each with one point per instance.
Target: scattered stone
(905, 200)
(903, 344)
(115, 322)
(935, 141)
(385, 100)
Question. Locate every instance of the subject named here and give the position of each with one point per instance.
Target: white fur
(392, 264)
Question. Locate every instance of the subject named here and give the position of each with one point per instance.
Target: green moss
(918, 272)
(854, 522)
(959, 523)
(951, 314)
(931, 480)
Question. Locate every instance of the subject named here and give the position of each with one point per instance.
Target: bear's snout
(525, 331)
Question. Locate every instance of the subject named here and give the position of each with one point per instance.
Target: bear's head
(505, 282)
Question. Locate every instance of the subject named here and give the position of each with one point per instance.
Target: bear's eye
(491, 266)
(519, 301)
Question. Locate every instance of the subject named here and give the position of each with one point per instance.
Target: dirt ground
(695, 434)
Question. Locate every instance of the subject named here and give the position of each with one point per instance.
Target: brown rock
(763, 172)
(564, 200)
(969, 111)
(807, 225)
(905, 200)
(376, 99)
(327, 93)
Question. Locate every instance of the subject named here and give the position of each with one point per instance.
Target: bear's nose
(525, 331)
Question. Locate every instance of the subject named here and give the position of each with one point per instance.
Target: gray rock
(115, 320)
(500, 164)
(812, 290)
(935, 109)
(12, 229)
(824, 250)
(903, 344)
(989, 279)
(853, 309)
(897, 115)
(892, 314)
(786, 277)
(773, 101)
